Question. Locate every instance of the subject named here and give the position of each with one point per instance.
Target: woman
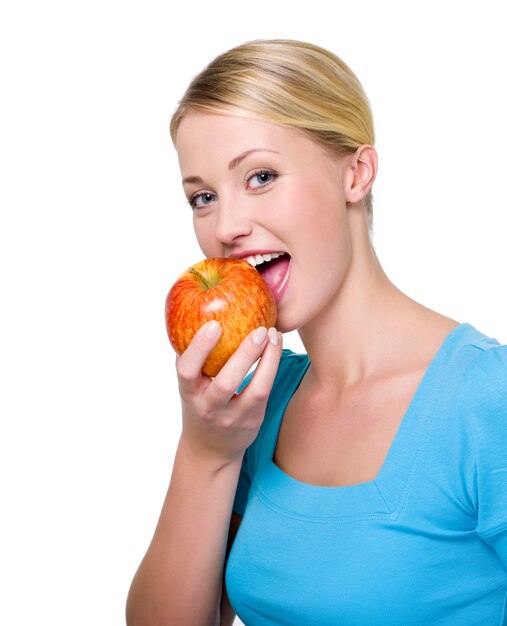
(368, 478)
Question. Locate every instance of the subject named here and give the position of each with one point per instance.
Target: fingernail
(259, 335)
(211, 329)
(273, 336)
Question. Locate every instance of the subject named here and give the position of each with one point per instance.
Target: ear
(361, 173)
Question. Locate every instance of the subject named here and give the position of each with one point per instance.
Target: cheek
(326, 243)
(322, 217)
(204, 233)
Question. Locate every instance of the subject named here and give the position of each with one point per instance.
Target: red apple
(230, 291)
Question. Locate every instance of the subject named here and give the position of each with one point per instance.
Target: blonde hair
(290, 83)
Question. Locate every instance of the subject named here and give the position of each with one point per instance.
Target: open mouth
(260, 261)
(274, 268)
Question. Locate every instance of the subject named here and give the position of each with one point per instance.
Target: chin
(287, 323)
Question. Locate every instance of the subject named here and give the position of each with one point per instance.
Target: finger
(231, 375)
(261, 384)
(191, 362)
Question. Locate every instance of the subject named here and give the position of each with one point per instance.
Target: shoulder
(483, 413)
(468, 366)
(481, 400)
(484, 381)
(290, 359)
(291, 369)
(291, 364)
(290, 372)
(472, 392)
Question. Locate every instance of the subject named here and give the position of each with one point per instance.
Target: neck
(365, 331)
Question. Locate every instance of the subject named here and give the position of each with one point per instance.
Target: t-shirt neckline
(382, 496)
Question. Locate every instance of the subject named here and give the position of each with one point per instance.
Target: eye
(260, 178)
(201, 199)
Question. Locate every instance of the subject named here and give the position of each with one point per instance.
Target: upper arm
(227, 613)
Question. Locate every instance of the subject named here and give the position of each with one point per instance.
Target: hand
(216, 420)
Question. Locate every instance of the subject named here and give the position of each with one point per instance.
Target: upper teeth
(257, 259)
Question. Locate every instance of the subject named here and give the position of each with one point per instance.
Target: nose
(232, 222)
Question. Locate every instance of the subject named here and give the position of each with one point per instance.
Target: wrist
(208, 459)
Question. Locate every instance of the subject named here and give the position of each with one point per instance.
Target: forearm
(180, 578)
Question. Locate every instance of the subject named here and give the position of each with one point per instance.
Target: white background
(94, 229)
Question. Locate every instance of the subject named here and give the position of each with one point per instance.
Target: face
(260, 189)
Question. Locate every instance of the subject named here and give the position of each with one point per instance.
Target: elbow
(131, 617)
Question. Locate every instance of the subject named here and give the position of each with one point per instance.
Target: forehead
(205, 136)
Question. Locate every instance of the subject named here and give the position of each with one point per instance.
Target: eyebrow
(232, 165)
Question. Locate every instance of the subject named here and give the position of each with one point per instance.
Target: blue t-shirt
(424, 544)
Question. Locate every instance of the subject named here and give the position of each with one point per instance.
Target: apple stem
(201, 277)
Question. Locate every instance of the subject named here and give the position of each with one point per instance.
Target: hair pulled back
(290, 83)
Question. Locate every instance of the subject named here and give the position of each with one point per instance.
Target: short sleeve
(487, 392)
(243, 488)
(290, 372)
